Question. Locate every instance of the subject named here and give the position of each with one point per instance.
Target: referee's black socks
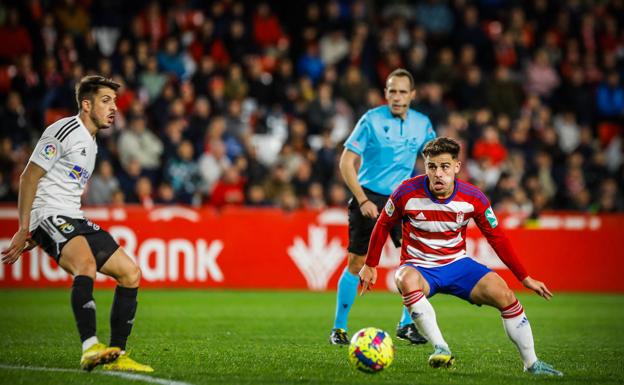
(122, 315)
(83, 306)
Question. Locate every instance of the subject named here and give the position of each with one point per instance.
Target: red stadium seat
(54, 114)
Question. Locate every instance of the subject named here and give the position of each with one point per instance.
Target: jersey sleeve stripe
(407, 188)
(477, 194)
(467, 187)
(66, 127)
(67, 133)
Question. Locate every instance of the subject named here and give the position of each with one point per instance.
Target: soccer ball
(371, 350)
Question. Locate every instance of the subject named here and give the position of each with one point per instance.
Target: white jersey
(66, 151)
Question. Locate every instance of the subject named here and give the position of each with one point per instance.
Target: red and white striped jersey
(434, 231)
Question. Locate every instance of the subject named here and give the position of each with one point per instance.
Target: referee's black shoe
(411, 334)
(338, 337)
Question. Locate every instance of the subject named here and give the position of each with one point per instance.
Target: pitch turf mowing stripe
(127, 376)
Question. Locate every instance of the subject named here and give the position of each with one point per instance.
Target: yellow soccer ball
(371, 350)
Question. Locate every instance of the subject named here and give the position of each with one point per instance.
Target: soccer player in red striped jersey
(435, 210)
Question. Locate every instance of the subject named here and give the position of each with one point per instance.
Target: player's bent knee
(507, 297)
(407, 279)
(131, 277)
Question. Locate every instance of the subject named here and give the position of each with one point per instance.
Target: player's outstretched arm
(537, 286)
(368, 277)
(29, 180)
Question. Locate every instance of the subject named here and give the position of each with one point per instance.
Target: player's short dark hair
(440, 146)
(89, 85)
(402, 72)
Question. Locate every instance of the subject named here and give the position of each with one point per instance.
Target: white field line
(127, 376)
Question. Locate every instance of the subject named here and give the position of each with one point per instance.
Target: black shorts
(361, 227)
(54, 232)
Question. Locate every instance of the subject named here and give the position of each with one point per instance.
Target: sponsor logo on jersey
(94, 226)
(48, 151)
(489, 214)
(83, 152)
(421, 217)
(460, 217)
(80, 174)
(389, 208)
(66, 228)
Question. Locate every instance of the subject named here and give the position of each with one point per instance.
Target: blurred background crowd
(233, 102)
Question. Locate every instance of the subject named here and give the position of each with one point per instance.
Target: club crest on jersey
(66, 228)
(80, 174)
(460, 217)
(48, 151)
(389, 208)
(489, 214)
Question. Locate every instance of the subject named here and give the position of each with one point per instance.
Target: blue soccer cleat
(441, 358)
(544, 369)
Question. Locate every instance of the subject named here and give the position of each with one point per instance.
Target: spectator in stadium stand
(138, 142)
(503, 94)
(310, 63)
(229, 189)
(489, 146)
(445, 72)
(103, 184)
(151, 80)
(165, 194)
(265, 26)
(315, 197)
(15, 36)
(170, 58)
(183, 174)
(385, 143)
(15, 124)
(431, 103)
(610, 98)
(143, 192)
(212, 163)
(128, 177)
(541, 77)
(322, 110)
(198, 123)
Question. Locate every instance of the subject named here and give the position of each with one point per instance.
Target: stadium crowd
(235, 102)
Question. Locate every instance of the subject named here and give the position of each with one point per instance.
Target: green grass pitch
(241, 337)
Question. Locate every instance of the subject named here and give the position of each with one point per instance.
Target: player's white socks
(519, 331)
(424, 317)
(86, 344)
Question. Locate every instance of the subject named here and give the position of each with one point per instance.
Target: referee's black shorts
(54, 232)
(361, 227)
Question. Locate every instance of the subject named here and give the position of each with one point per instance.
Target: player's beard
(97, 122)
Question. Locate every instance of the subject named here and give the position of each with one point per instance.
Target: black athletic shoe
(411, 334)
(338, 337)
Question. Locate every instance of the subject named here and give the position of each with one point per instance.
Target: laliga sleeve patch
(48, 152)
(389, 208)
(489, 214)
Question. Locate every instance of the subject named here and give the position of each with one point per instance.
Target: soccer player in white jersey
(50, 216)
(435, 209)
